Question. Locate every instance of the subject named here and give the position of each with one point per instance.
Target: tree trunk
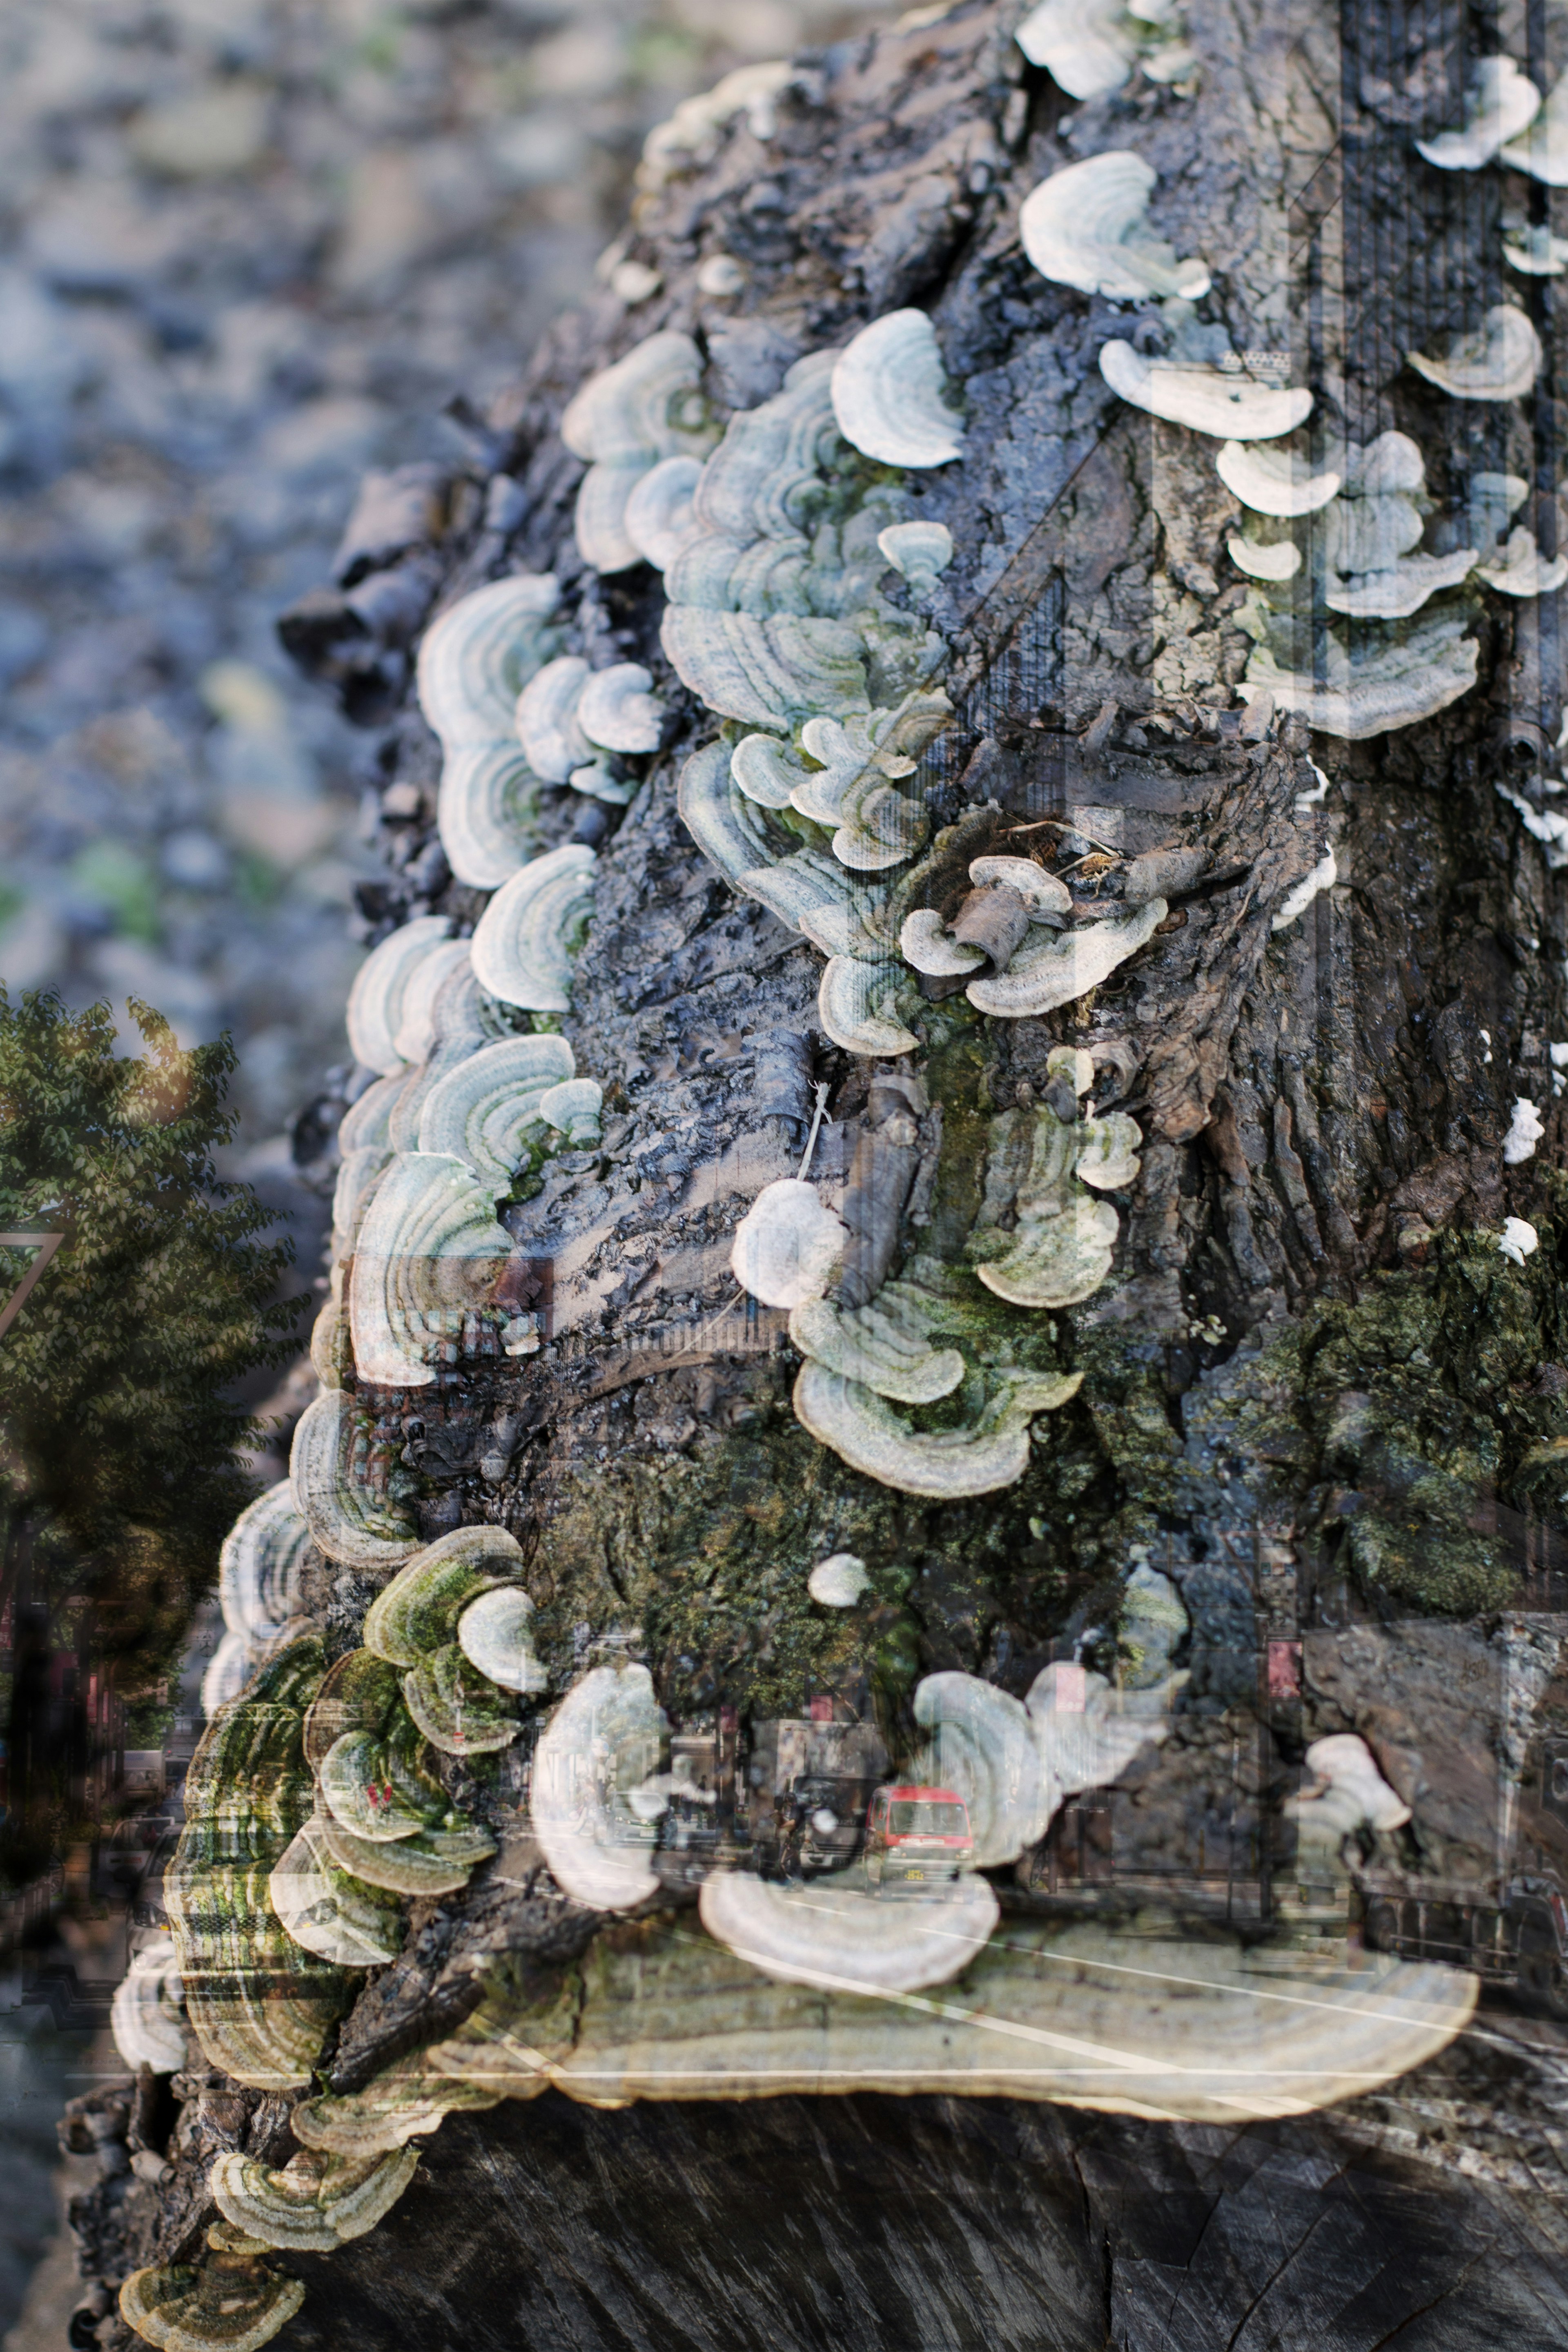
(1314, 1388)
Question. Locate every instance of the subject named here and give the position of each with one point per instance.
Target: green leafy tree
(120, 1441)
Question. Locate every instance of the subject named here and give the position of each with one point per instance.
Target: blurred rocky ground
(254, 247)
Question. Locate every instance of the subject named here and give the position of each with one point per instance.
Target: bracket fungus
(888, 389)
(1087, 227)
(147, 2015)
(315, 2203)
(1279, 559)
(435, 1862)
(1090, 47)
(1015, 1762)
(230, 2302)
(525, 941)
(922, 552)
(1348, 1791)
(1525, 1129)
(1500, 362)
(645, 408)
(328, 1474)
(843, 1939)
(1208, 400)
(328, 1912)
(660, 515)
(885, 1346)
(572, 1109)
(603, 1741)
(263, 1558)
(1275, 481)
(1057, 1249)
(991, 1451)
(375, 999)
(420, 1608)
(837, 1581)
(1499, 103)
(787, 1244)
(1521, 569)
(481, 1111)
(1065, 966)
(475, 660)
(1541, 148)
(570, 715)
(856, 1003)
(259, 2005)
(495, 1633)
(428, 1252)
(456, 1706)
(1392, 684)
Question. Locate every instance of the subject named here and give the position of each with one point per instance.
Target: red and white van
(917, 1837)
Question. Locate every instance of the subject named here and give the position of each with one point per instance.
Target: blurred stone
(212, 134)
(193, 860)
(32, 947)
(389, 222)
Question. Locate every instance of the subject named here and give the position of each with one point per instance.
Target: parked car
(917, 1837)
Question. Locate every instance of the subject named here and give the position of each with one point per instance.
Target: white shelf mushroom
(473, 663)
(1524, 1132)
(885, 1345)
(1518, 1240)
(855, 791)
(375, 999)
(430, 1250)
(1543, 149)
(842, 1939)
(985, 1750)
(357, 1177)
(522, 946)
(1393, 594)
(546, 719)
(1275, 481)
(1206, 399)
(495, 1634)
(787, 1244)
(1065, 966)
(1350, 1791)
(1535, 252)
(1089, 47)
(327, 1466)
(475, 658)
(480, 1111)
(837, 1581)
(573, 1108)
(227, 1671)
(1391, 685)
(625, 420)
(416, 1033)
(865, 1431)
(1015, 1764)
(888, 390)
(147, 2015)
(766, 771)
(660, 518)
(1087, 1733)
(311, 2205)
(1524, 571)
(1500, 362)
(1281, 559)
(855, 1003)
(617, 712)
(1500, 102)
(925, 941)
(326, 1911)
(1294, 903)
(604, 1739)
(1087, 227)
(922, 552)
(367, 1121)
(261, 1564)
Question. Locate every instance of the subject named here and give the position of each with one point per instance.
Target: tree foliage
(120, 1467)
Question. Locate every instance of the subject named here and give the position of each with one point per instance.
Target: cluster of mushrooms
(799, 584)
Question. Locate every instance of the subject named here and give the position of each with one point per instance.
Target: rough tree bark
(1312, 1385)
